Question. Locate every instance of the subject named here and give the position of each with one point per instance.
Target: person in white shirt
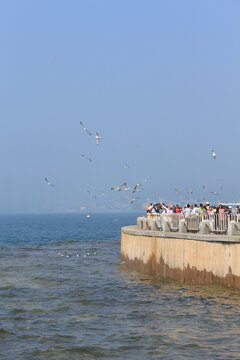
(187, 211)
(195, 210)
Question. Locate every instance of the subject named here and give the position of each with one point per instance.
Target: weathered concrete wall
(190, 258)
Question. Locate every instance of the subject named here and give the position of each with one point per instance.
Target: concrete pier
(198, 258)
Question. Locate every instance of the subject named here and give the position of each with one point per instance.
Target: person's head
(188, 205)
(195, 205)
(191, 206)
(201, 205)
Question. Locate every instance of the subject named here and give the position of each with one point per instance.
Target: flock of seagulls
(136, 188)
(67, 255)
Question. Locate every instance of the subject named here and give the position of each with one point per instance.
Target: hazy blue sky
(160, 81)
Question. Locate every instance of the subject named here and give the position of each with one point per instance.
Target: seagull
(87, 157)
(134, 199)
(214, 154)
(104, 194)
(91, 194)
(204, 186)
(190, 191)
(146, 180)
(214, 193)
(84, 128)
(177, 191)
(126, 165)
(135, 187)
(98, 137)
(119, 188)
(48, 182)
(127, 188)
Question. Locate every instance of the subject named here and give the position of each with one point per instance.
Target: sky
(159, 80)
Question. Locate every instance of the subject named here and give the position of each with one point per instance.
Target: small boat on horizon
(88, 215)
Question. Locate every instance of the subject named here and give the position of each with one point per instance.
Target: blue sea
(65, 294)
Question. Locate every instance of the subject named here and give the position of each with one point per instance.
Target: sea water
(65, 294)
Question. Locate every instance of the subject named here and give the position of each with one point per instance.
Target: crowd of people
(190, 209)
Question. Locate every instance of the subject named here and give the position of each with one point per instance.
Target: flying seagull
(118, 188)
(84, 128)
(177, 191)
(190, 191)
(48, 182)
(204, 186)
(87, 157)
(104, 194)
(126, 165)
(134, 199)
(98, 137)
(135, 187)
(214, 154)
(91, 194)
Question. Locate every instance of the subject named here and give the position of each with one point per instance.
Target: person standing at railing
(150, 208)
(201, 210)
(195, 210)
(187, 211)
(178, 210)
(210, 211)
(221, 211)
(169, 209)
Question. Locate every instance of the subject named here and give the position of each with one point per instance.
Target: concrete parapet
(182, 226)
(140, 222)
(233, 228)
(153, 225)
(166, 225)
(158, 224)
(205, 227)
(145, 224)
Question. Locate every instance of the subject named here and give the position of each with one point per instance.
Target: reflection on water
(74, 299)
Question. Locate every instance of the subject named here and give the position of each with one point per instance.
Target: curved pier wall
(190, 258)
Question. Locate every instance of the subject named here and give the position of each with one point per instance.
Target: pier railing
(205, 224)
